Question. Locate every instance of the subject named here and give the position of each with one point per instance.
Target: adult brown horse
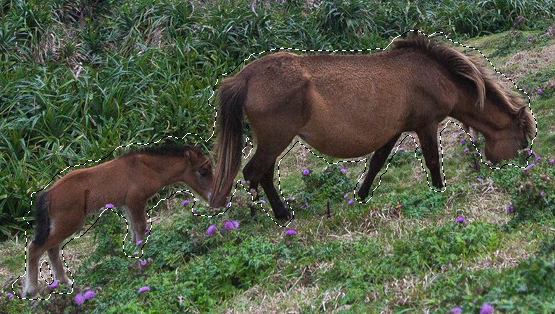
(347, 106)
(128, 181)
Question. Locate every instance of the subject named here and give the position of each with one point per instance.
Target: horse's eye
(203, 172)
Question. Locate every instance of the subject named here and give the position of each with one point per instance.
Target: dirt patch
(524, 63)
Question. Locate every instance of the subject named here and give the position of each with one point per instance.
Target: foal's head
(198, 172)
(506, 143)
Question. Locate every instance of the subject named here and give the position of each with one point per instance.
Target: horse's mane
(167, 149)
(471, 69)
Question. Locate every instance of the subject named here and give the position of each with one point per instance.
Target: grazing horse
(128, 181)
(348, 106)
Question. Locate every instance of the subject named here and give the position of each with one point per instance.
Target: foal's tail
(232, 95)
(42, 219)
(455, 61)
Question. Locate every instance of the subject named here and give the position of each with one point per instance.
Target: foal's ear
(521, 116)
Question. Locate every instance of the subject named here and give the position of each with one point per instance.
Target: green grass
(78, 79)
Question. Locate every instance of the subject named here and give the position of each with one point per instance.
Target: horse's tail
(42, 219)
(455, 61)
(232, 96)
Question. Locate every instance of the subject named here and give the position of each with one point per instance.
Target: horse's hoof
(362, 195)
(283, 215)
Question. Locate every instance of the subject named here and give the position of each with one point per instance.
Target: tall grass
(78, 78)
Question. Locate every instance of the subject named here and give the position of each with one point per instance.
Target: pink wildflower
(89, 295)
(290, 232)
(210, 230)
(79, 299)
(143, 289)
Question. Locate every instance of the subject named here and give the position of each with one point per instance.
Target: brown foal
(348, 106)
(128, 181)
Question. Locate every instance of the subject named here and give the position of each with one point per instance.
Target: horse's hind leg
(428, 141)
(58, 268)
(376, 163)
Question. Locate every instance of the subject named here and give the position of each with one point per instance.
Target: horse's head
(505, 143)
(198, 173)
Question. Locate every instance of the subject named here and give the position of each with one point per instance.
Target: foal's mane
(167, 149)
(471, 69)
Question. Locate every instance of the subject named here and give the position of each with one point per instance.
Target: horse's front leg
(260, 169)
(428, 141)
(376, 163)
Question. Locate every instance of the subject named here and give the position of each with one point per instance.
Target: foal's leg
(136, 209)
(58, 268)
(376, 163)
(428, 141)
(34, 252)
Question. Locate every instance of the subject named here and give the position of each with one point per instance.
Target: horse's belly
(345, 143)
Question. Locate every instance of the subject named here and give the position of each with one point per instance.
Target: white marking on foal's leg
(31, 275)
(132, 232)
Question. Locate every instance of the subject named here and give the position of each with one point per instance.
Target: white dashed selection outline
(245, 156)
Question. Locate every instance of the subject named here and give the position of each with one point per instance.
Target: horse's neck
(166, 170)
(487, 121)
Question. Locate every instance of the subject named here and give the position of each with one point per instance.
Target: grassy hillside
(80, 78)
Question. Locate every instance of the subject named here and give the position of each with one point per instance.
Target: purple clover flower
(228, 205)
(351, 201)
(527, 150)
(290, 232)
(194, 211)
(510, 209)
(210, 230)
(143, 289)
(459, 219)
(143, 262)
(9, 295)
(79, 299)
(306, 172)
(139, 243)
(235, 224)
(228, 225)
(89, 295)
(466, 150)
(109, 206)
(552, 161)
(185, 203)
(343, 170)
(262, 201)
(486, 309)
(345, 195)
(542, 193)
(530, 166)
(462, 141)
(539, 91)
(479, 180)
(455, 310)
(147, 230)
(53, 285)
